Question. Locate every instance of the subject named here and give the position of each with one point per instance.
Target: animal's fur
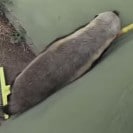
(14, 55)
(62, 62)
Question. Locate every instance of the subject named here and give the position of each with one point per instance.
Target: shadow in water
(116, 44)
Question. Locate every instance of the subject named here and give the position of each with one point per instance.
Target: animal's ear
(95, 16)
(116, 12)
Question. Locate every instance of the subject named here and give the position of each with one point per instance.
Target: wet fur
(61, 63)
(14, 56)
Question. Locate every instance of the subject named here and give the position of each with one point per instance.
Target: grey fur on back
(62, 62)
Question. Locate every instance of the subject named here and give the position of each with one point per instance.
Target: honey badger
(63, 62)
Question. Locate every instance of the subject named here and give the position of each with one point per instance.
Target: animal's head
(110, 20)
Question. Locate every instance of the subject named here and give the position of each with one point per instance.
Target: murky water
(101, 101)
(45, 20)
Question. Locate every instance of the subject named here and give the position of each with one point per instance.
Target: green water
(99, 102)
(45, 20)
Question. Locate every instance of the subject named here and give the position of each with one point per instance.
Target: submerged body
(15, 54)
(62, 62)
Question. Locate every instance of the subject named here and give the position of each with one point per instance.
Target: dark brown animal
(15, 53)
(62, 62)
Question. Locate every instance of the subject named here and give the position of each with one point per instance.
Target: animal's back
(62, 62)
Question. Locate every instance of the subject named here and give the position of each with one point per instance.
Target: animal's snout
(116, 12)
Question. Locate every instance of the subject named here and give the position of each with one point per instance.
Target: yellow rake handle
(127, 29)
(5, 90)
